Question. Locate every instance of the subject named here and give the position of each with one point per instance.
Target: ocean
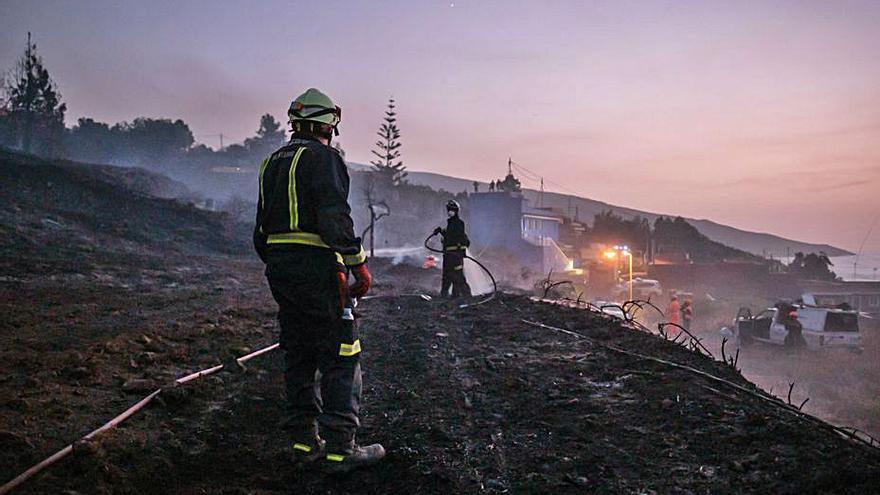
(868, 267)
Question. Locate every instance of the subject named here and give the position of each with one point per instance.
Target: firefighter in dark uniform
(455, 243)
(304, 233)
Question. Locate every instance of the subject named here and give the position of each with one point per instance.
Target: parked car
(643, 288)
(820, 327)
(609, 308)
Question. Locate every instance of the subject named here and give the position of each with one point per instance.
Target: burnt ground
(465, 400)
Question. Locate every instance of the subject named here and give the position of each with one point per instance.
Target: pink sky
(761, 115)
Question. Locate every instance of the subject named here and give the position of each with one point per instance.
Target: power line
(538, 177)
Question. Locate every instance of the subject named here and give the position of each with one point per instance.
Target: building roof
(542, 213)
(842, 287)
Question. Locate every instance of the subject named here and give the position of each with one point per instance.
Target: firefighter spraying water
(455, 244)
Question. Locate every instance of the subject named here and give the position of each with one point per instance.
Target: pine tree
(390, 169)
(33, 104)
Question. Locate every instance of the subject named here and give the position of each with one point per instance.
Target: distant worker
(455, 243)
(673, 313)
(492, 186)
(476, 187)
(304, 233)
(794, 330)
(687, 314)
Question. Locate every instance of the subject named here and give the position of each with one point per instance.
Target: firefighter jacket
(304, 201)
(454, 237)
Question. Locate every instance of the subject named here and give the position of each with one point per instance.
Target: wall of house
(495, 218)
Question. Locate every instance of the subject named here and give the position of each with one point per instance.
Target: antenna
(862, 246)
(220, 135)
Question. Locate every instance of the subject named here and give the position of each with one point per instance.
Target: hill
(54, 213)
(761, 244)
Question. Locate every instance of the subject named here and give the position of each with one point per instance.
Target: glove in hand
(363, 281)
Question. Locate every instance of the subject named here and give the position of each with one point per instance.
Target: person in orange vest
(794, 337)
(673, 313)
(687, 314)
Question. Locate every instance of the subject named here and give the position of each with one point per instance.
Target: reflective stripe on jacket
(304, 200)
(454, 236)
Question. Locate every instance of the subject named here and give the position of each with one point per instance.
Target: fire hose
(483, 267)
(61, 454)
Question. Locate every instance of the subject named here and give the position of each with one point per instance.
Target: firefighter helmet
(452, 205)
(314, 112)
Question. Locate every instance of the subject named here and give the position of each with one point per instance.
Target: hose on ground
(57, 456)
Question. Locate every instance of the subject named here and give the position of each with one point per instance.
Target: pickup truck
(820, 327)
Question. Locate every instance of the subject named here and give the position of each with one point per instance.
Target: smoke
(478, 279)
(843, 386)
(407, 254)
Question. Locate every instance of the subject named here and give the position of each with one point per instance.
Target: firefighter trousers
(321, 349)
(453, 275)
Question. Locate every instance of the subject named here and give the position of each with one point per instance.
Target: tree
(33, 105)
(155, 142)
(610, 228)
(678, 236)
(812, 266)
(270, 136)
(390, 169)
(92, 141)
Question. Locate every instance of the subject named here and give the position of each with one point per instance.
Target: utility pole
(221, 136)
(372, 232)
(541, 197)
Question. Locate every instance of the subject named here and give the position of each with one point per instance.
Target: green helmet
(314, 112)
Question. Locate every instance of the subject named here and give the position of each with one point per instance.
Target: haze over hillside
(762, 244)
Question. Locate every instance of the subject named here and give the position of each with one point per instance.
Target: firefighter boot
(308, 447)
(346, 456)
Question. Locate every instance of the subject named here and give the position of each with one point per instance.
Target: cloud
(838, 186)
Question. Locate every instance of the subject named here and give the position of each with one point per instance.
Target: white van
(643, 288)
(821, 327)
